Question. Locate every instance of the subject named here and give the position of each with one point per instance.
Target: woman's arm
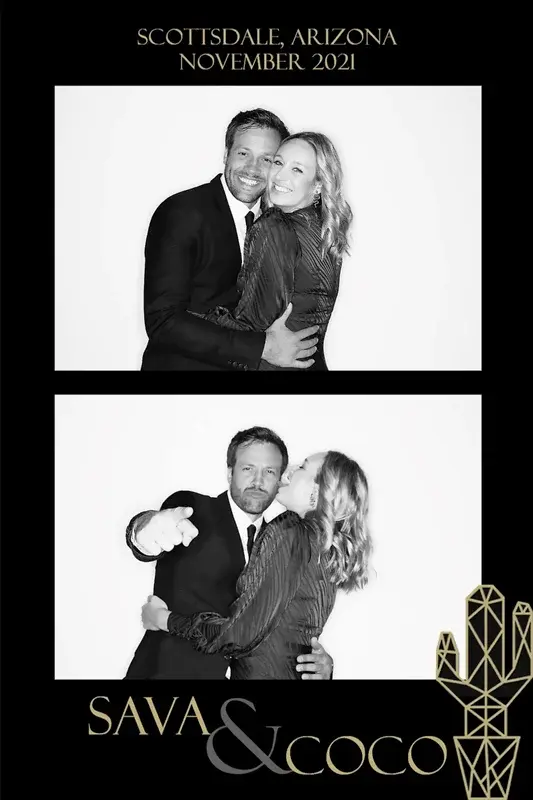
(266, 588)
(267, 276)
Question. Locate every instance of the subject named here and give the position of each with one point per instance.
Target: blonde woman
(298, 563)
(294, 250)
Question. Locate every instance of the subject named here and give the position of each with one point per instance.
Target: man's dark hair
(258, 118)
(250, 435)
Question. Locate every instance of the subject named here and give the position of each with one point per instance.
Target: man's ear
(229, 473)
(225, 156)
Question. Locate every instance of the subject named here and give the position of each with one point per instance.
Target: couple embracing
(242, 273)
(232, 590)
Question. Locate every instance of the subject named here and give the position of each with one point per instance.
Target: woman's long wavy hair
(336, 214)
(340, 519)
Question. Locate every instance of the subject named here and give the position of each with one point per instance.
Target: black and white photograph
(245, 228)
(314, 585)
(269, 537)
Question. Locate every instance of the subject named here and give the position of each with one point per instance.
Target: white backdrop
(117, 455)
(410, 294)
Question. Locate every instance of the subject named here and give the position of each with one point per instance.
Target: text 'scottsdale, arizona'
(266, 37)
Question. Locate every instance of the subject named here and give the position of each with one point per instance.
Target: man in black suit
(193, 255)
(201, 545)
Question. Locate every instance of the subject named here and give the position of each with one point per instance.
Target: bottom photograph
(263, 537)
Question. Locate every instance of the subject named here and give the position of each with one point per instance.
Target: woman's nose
(287, 475)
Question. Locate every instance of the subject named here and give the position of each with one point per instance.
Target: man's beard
(240, 192)
(252, 499)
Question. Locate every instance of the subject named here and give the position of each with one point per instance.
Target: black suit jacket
(200, 577)
(192, 260)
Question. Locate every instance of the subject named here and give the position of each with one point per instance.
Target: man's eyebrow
(251, 464)
(265, 153)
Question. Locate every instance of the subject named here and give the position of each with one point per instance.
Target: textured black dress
(285, 598)
(283, 264)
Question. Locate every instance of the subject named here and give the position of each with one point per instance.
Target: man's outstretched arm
(151, 534)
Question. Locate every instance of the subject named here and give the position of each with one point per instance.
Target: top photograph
(257, 228)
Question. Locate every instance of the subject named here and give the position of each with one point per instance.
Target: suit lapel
(221, 203)
(229, 529)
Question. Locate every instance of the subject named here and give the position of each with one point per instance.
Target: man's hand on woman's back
(283, 347)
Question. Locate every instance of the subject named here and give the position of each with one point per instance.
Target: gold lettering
(442, 747)
(290, 761)
(372, 760)
(356, 30)
(260, 42)
(376, 38)
(330, 763)
(249, 64)
(202, 60)
(99, 714)
(168, 40)
(222, 62)
(150, 35)
(274, 37)
(247, 37)
(197, 714)
(312, 36)
(298, 36)
(134, 715)
(225, 39)
(294, 57)
(190, 32)
(155, 714)
(235, 61)
(183, 58)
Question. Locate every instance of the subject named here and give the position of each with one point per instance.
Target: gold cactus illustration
(486, 752)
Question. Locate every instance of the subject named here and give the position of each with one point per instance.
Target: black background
(45, 739)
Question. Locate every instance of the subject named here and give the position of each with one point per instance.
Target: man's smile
(248, 181)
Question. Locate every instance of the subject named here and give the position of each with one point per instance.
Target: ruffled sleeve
(266, 280)
(266, 587)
